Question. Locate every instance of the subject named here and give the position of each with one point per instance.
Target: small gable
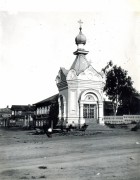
(90, 74)
(62, 74)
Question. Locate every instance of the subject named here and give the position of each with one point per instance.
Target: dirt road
(113, 155)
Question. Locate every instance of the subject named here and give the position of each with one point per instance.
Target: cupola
(80, 41)
(80, 38)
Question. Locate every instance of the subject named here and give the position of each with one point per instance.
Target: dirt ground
(112, 154)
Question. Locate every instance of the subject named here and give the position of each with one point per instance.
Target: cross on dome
(80, 23)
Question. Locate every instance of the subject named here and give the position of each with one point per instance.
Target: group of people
(70, 126)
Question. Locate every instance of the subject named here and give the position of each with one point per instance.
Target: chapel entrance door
(90, 114)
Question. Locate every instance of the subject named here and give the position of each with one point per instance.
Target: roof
(80, 64)
(5, 110)
(23, 108)
(48, 100)
(65, 71)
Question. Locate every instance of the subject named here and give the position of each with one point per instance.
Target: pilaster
(81, 118)
(101, 120)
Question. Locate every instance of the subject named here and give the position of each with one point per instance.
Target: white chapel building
(80, 89)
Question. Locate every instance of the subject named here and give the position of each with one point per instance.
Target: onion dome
(80, 38)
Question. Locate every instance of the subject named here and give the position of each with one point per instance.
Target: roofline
(46, 100)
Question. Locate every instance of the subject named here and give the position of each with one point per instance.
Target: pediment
(90, 74)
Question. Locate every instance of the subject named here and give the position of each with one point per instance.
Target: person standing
(49, 132)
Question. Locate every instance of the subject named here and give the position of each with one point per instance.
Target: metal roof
(23, 108)
(48, 100)
(80, 64)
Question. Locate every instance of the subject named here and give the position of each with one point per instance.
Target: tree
(118, 87)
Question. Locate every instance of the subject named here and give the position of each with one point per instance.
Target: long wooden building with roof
(46, 112)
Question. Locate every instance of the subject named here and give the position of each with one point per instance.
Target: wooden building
(46, 112)
(5, 115)
(22, 115)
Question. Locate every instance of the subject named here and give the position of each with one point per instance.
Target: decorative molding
(89, 97)
(71, 75)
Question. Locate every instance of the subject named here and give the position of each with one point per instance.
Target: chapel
(80, 89)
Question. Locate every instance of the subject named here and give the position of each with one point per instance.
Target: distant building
(5, 115)
(44, 114)
(22, 115)
(133, 108)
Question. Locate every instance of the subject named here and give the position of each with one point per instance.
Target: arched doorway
(90, 107)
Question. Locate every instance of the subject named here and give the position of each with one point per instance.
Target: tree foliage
(118, 87)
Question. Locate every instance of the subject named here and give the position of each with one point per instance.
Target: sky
(37, 37)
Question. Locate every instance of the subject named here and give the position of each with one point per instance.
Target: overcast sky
(38, 37)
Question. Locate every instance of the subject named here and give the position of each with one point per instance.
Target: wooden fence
(125, 119)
